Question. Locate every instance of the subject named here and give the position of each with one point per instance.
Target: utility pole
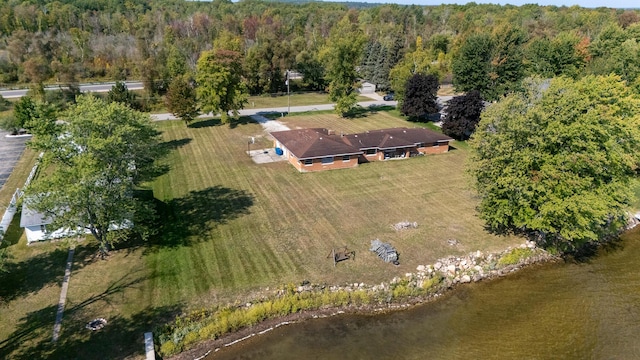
(288, 94)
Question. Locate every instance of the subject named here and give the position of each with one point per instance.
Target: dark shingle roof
(317, 142)
(395, 138)
(314, 143)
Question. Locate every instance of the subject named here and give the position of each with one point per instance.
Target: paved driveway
(11, 149)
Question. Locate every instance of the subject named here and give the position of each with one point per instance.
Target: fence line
(13, 204)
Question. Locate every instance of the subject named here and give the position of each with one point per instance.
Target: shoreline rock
(438, 278)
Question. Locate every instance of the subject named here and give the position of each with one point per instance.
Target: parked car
(389, 97)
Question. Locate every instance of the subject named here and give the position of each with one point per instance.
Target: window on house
(308, 162)
(346, 158)
(436, 144)
(371, 151)
(327, 160)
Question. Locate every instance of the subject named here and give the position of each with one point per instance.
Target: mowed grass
(295, 99)
(229, 229)
(279, 225)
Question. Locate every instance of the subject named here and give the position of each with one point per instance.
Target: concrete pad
(265, 156)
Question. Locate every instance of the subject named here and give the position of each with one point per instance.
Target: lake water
(586, 310)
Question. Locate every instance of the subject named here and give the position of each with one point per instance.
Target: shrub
(168, 348)
(515, 256)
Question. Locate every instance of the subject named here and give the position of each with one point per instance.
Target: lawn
(296, 99)
(230, 229)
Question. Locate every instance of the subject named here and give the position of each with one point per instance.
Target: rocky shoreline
(440, 277)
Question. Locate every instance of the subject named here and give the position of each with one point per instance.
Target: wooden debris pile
(385, 251)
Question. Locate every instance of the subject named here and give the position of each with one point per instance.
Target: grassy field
(231, 229)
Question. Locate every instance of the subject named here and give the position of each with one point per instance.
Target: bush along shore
(207, 329)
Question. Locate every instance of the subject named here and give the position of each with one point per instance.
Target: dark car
(389, 97)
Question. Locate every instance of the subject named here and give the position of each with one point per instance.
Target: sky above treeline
(622, 4)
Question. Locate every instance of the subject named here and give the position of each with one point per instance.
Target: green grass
(295, 99)
(231, 228)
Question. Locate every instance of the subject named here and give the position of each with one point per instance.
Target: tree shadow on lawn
(193, 216)
(32, 274)
(122, 337)
(176, 144)
(233, 123)
(204, 123)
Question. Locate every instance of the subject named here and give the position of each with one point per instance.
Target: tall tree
(420, 97)
(557, 160)
(221, 88)
(463, 115)
(419, 61)
(340, 56)
(96, 160)
(471, 65)
(120, 93)
(181, 99)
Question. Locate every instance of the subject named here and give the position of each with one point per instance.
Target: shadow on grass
(176, 144)
(122, 337)
(361, 112)
(233, 123)
(196, 214)
(25, 277)
(242, 120)
(204, 123)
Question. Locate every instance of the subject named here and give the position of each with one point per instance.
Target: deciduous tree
(94, 163)
(340, 57)
(181, 99)
(463, 115)
(221, 88)
(557, 161)
(420, 97)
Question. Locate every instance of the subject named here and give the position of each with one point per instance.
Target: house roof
(31, 217)
(314, 143)
(318, 142)
(395, 138)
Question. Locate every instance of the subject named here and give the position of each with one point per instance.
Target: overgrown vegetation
(515, 256)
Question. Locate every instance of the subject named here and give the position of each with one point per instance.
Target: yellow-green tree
(340, 56)
(220, 86)
(419, 61)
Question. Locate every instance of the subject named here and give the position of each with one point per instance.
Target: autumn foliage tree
(181, 99)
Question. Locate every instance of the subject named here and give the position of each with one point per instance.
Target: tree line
(554, 156)
(488, 48)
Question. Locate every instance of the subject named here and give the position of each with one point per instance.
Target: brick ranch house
(319, 149)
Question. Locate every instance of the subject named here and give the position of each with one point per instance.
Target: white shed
(367, 88)
(35, 227)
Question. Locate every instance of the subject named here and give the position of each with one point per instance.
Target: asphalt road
(11, 149)
(102, 87)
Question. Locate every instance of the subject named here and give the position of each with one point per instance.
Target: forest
(489, 48)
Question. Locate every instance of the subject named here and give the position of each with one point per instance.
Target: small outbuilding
(367, 88)
(37, 226)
